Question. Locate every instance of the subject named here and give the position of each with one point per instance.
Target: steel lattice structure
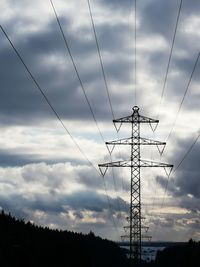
(135, 163)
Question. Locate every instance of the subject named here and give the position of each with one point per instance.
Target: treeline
(180, 256)
(27, 245)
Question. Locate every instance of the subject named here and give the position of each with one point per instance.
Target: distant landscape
(25, 244)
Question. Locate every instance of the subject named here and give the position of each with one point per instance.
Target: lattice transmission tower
(135, 163)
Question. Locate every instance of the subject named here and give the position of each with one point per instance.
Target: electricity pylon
(135, 163)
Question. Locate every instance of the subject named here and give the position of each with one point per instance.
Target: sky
(44, 177)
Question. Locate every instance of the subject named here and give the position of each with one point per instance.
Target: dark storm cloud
(93, 201)
(50, 40)
(21, 101)
(120, 5)
(177, 85)
(191, 7)
(190, 203)
(56, 203)
(89, 179)
(168, 222)
(186, 64)
(176, 221)
(163, 182)
(159, 17)
(110, 39)
(12, 158)
(188, 176)
(18, 204)
(185, 184)
(19, 96)
(94, 180)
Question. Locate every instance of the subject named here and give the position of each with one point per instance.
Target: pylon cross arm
(142, 227)
(135, 119)
(139, 141)
(115, 164)
(140, 163)
(148, 163)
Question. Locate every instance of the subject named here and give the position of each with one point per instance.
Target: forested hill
(180, 256)
(26, 245)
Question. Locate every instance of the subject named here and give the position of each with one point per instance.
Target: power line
(76, 70)
(187, 153)
(174, 123)
(109, 205)
(81, 83)
(100, 59)
(135, 51)
(103, 71)
(104, 78)
(47, 100)
(179, 164)
(56, 113)
(155, 188)
(174, 170)
(186, 90)
(170, 56)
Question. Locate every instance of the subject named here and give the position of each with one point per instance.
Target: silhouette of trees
(25, 244)
(180, 256)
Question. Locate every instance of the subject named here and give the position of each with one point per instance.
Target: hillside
(24, 244)
(179, 256)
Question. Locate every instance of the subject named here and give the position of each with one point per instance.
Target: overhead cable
(186, 90)
(179, 164)
(174, 123)
(104, 76)
(174, 170)
(135, 51)
(80, 81)
(170, 56)
(76, 70)
(47, 100)
(54, 111)
(100, 59)
(187, 152)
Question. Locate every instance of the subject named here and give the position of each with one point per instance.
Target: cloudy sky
(43, 176)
